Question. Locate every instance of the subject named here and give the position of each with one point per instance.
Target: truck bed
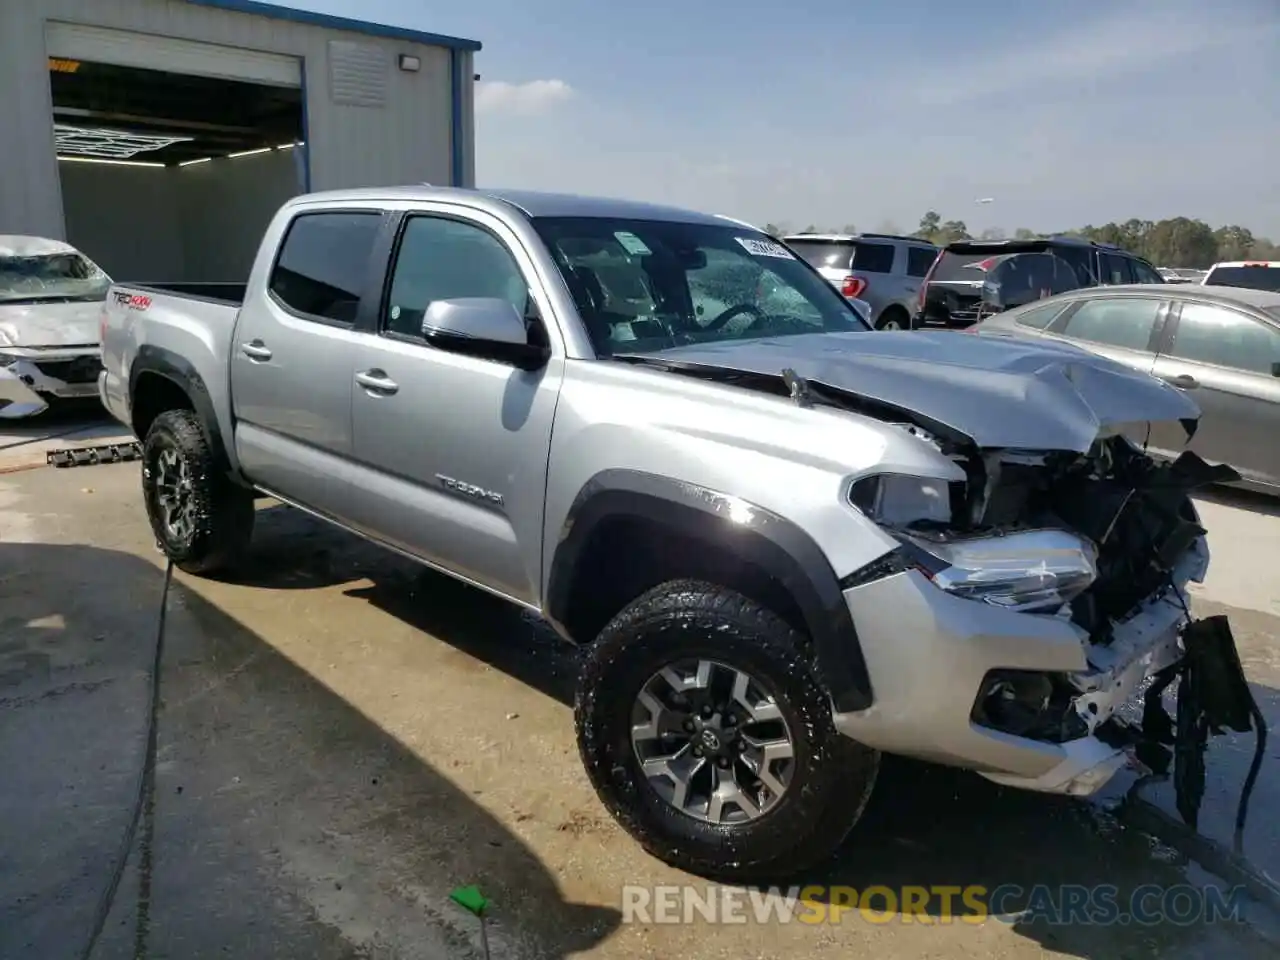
(229, 293)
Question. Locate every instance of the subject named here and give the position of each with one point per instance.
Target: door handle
(255, 350)
(377, 381)
(1184, 381)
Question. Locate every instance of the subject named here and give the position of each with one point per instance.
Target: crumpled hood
(997, 391)
(49, 324)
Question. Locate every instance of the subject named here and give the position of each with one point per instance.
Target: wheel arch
(666, 529)
(161, 380)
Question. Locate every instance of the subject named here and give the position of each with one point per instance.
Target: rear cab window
(322, 268)
(958, 267)
(1259, 276)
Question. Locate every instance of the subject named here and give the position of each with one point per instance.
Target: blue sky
(872, 112)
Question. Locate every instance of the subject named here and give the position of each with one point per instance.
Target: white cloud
(535, 96)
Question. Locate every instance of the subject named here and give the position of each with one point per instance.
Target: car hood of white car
(49, 324)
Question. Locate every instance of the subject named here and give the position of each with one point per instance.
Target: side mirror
(487, 327)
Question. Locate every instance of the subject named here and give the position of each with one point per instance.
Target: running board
(92, 456)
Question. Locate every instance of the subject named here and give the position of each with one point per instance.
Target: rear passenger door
(1229, 363)
(291, 358)
(452, 449)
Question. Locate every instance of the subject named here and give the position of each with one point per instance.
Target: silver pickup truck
(786, 544)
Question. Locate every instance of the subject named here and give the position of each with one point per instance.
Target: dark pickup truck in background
(971, 279)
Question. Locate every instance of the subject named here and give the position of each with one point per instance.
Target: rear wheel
(895, 318)
(201, 519)
(707, 736)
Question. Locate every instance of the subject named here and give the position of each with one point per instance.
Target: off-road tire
(688, 619)
(224, 510)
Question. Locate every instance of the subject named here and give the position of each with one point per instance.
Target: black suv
(971, 279)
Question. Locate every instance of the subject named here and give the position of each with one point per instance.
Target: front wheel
(707, 736)
(200, 518)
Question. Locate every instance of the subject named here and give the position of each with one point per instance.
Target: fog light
(1028, 703)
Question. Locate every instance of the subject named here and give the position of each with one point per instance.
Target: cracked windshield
(510, 481)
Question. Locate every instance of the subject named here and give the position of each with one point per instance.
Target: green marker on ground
(473, 901)
(470, 899)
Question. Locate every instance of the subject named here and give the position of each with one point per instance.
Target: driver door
(452, 449)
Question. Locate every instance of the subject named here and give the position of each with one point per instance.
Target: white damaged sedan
(51, 298)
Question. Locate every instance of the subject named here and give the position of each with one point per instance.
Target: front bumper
(928, 653)
(29, 384)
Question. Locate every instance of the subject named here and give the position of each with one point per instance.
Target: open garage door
(168, 175)
(121, 48)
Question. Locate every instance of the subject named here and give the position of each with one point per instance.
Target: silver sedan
(1221, 344)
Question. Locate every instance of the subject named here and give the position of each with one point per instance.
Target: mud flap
(1213, 697)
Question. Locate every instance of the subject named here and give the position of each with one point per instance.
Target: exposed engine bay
(1136, 511)
(1131, 523)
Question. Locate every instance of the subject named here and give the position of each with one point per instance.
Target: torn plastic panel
(26, 384)
(17, 399)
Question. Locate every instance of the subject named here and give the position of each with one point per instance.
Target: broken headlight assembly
(898, 500)
(1026, 571)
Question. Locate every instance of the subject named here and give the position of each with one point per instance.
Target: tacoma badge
(470, 490)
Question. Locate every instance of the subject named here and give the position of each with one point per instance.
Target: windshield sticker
(632, 244)
(764, 248)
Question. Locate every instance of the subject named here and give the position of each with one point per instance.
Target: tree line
(1175, 242)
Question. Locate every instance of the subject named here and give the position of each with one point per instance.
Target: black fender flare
(768, 541)
(183, 374)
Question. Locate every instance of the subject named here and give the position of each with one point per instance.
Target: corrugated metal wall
(352, 141)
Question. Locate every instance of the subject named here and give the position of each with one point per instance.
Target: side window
(1127, 322)
(919, 260)
(323, 264)
(1115, 269)
(441, 259)
(1081, 262)
(873, 257)
(1039, 317)
(1144, 274)
(1223, 337)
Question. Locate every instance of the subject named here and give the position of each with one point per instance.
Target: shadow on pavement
(1242, 500)
(927, 826)
(285, 822)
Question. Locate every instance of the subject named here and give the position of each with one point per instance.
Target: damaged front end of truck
(1106, 540)
(1037, 590)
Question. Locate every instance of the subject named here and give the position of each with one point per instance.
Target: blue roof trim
(277, 12)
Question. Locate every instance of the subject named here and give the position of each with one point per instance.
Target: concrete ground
(343, 739)
(76, 423)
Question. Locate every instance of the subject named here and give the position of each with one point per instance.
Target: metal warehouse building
(159, 136)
